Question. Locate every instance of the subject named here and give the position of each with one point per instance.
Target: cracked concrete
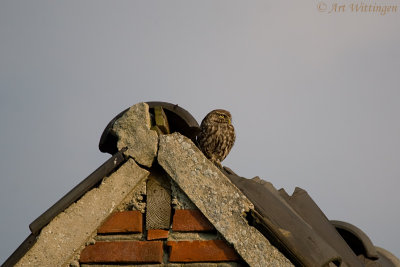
(133, 131)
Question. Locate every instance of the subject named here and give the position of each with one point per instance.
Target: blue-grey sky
(314, 96)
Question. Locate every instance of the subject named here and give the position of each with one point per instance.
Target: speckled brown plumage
(217, 135)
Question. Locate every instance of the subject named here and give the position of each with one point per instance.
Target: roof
(294, 224)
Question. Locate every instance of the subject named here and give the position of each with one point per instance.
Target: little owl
(216, 136)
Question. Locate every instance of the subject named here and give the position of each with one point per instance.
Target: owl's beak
(229, 121)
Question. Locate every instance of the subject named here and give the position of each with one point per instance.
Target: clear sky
(313, 90)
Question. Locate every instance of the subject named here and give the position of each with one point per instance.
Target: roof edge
(78, 191)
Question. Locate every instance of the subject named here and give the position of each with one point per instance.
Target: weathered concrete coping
(217, 198)
(133, 131)
(67, 233)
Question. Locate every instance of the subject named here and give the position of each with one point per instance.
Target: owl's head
(219, 116)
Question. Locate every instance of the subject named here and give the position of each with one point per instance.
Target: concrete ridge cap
(133, 132)
(221, 202)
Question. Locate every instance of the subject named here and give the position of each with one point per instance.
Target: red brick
(123, 252)
(122, 222)
(153, 234)
(201, 251)
(190, 221)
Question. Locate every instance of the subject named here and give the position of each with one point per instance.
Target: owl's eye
(222, 116)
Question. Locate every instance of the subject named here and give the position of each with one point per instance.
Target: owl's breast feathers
(216, 140)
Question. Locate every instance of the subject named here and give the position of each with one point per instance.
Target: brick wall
(124, 239)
